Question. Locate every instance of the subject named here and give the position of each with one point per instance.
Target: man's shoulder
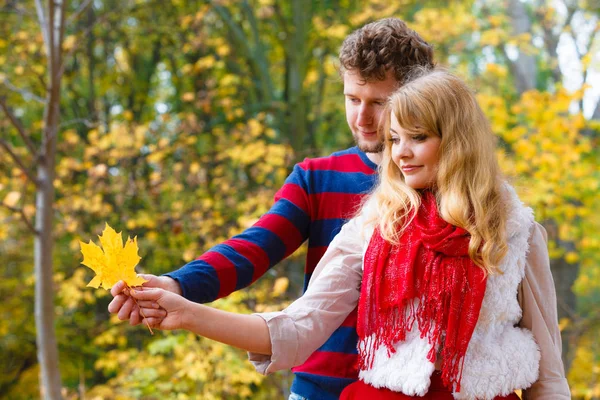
(351, 151)
(348, 160)
(348, 171)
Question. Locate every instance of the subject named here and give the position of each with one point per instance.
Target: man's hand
(124, 306)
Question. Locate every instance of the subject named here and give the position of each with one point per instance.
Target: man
(315, 201)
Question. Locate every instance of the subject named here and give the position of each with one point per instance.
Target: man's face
(365, 102)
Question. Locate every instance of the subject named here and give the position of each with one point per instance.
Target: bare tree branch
(4, 144)
(27, 95)
(61, 32)
(87, 122)
(23, 217)
(17, 124)
(15, 10)
(78, 12)
(43, 23)
(51, 39)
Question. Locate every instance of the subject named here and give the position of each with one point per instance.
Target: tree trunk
(47, 348)
(523, 68)
(52, 24)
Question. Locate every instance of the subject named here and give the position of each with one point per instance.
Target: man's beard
(368, 147)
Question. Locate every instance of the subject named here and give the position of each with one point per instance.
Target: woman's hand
(123, 305)
(166, 310)
(160, 308)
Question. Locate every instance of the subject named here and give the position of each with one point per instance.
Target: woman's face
(415, 154)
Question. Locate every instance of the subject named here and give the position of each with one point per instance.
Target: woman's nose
(404, 150)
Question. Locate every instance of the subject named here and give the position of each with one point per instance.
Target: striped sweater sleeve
(241, 260)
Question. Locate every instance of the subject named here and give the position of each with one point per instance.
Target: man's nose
(365, 116)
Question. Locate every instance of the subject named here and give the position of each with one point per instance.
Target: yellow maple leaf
(113, 262)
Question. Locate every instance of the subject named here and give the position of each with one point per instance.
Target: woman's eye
(394, 140)
(419, 138)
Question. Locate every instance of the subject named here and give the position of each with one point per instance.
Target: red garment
(437, 391)
(431, 263)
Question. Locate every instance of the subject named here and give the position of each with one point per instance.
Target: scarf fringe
(393, 330)
(429, 280)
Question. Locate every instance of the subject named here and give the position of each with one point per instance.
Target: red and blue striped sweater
(318, 197)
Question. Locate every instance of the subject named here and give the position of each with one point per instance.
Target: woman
(439, 256)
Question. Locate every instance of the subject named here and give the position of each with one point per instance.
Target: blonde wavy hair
(468, 185)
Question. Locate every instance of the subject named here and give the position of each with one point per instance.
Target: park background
(176, 121)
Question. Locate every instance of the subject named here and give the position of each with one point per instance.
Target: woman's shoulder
(538, 239)
(364, 222)
(520, 217)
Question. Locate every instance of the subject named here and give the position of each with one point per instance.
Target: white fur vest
(500, 358)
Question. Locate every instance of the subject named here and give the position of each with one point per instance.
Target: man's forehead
(368, 90)
(356, 75)
(355, 83)
(375, 96)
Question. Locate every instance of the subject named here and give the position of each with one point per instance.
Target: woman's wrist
(191, 320)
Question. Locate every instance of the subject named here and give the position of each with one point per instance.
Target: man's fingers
(117, 288)
(146, 293)
(148, 277)
(153, 281)
(125, 310)
(161, 282)
(115, 305)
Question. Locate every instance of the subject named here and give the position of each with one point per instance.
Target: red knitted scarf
(430, 264)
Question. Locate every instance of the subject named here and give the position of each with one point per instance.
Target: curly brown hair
(383, 45)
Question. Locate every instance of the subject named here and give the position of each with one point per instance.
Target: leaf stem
(140, 308)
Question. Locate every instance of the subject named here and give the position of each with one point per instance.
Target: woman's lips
(410, 168)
